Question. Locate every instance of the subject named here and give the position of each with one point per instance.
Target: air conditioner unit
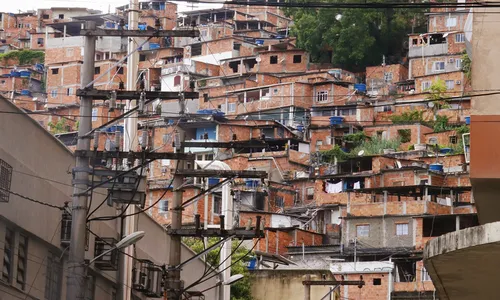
(458, 82)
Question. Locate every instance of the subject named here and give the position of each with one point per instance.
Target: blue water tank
(300, 128)
(15, 73)
(336, 120)
(115, 128)
(25, 92)
(445, 150)
(153, 46)
(250, 183)
(25, 74)
(142, 26)
(259, 42)
(213, 181)
(467, 120)
(436, 167)
(252, 264)
(360, 87)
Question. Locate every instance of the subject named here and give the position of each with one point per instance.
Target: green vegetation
(372, 146)
(24, 57)
(437, 90)
(241, 289)
(441, 124)
(467, 65)
(354, 38)
(60, 126)
(355, 138)
(405, 135)
(414, 116)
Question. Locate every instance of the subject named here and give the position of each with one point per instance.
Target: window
(322, 96)
(458, 63)
(97, 70)
(196, 49)
(439, 65)
(8, 255)
(450, 84)
(297, 59)
(363, 230)
(69, 92)
(273, 59)
(61, 16)
(53, 278)
(279, 202)
(70, 52)
(459, 38)
(425, 275)
(426, 85)
(388, 76)
(164, 207)
(39, 41)
(45, 17)
(236, 46)
(231, 107)
(55, 71)
(119, 70)
(22, 259)
(53, 93)
(453, 139)
(217, 204)
(142, 57)
(310, 193)
(177, 80)
(5, 180)
(451, 22)
(405, 135)
(377, 281)
(402, 229)
(94, 114)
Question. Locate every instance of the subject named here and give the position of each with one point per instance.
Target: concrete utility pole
(129, 144)
(76, 286)
(174, 276)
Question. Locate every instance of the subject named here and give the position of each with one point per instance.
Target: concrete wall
(287, 284)
(382, 232)
(40, 164)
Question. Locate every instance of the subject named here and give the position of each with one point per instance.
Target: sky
(103, 5)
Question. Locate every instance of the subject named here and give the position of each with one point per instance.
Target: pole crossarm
(334, 282)
(222, 173)
(216, 232)
(140, 33)
(126, 95)
(233, 145)
(134, 155)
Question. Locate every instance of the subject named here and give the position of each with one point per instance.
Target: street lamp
(125, 242)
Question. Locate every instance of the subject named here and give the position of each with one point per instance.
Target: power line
(32, 200)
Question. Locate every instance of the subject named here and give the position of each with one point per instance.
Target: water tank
(25, 74)
(436, 167)
(336, 120)
(467, 120)
(360, 87)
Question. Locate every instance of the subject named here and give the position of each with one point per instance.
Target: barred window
(8, 255)
(22, 260)
(5, 180)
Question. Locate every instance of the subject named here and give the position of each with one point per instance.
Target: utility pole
(76, 286)
(174, 292)
(129, 144)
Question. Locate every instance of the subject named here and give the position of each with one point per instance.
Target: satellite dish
(398, 163)
(258, 59)
(361, 152)
(430, 104)
(338, 17)
(446, 34)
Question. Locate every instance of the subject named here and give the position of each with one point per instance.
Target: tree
(354, 38)
(239, 290)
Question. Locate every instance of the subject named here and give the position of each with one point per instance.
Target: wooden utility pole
(76, 286)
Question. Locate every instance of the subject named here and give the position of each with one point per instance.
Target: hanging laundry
(357, 185)
(333, 188)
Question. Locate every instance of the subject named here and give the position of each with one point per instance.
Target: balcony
(464, 264)
(428, 50)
